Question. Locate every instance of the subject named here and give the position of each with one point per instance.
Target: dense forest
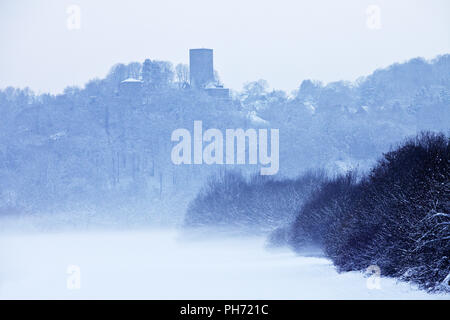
(97, 155)
(96, 151)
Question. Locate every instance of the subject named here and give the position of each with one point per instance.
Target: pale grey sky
(281, 41)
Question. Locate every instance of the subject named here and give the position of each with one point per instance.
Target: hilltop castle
(201, 76)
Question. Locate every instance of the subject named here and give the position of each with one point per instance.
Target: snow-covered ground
(162, 265)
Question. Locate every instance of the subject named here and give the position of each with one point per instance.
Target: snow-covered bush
(260, 203)
(397, 217)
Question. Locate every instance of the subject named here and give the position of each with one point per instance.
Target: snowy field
(162, 265)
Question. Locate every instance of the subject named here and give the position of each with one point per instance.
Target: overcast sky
(281, 41)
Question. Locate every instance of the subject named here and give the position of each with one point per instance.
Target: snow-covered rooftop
(131, 80)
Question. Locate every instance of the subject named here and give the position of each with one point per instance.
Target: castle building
(201, 76)
(130, 87)
(201, 70)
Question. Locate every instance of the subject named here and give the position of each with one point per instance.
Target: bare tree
(182, 74)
